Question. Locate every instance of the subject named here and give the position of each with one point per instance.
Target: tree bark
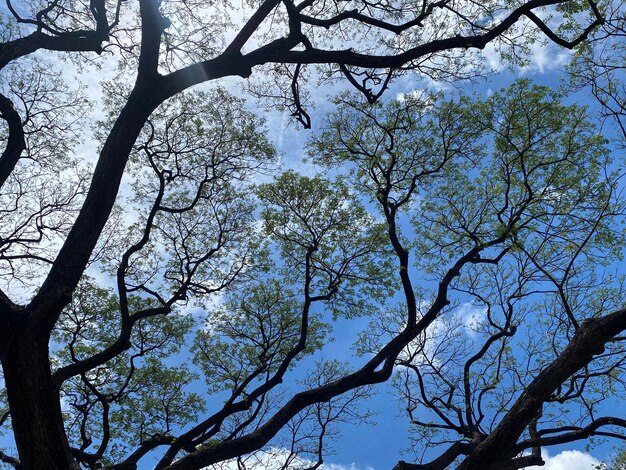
(34, 401)
(499, 448)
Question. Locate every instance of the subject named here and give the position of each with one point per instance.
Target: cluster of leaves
(598, 67)
(135, 396)
(40, 200)
(524, 190)
(123, 358)
(617, 463)
(120, 372)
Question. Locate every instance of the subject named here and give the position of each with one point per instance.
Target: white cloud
(493, 58)
(546, 57)
(275, 458)
(471, 316)
(567, 460)
(352, 466)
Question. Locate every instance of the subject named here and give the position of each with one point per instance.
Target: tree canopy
(168, 290)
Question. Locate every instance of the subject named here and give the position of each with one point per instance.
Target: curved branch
(442, 462)
(251, 26)
(563, 42)
(376, 370)
(280, 51)
(574, 435)
(74, 255)
(121, 344)
(15, 143)
(377, 23)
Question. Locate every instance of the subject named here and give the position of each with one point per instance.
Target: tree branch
(121, 344)
(10, 460)
(442, 462)
(74, 255)
(250, 27)
(563, 42)
(588, 341)
(79, 41)
(15, 143)
(152, 26)
(280, 51)
(575, 435)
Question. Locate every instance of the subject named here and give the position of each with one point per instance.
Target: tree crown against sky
(198, 340)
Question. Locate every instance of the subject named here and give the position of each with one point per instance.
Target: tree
(598, 66)
(84, 366)
(513, 221)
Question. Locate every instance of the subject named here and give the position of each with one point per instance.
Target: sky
(565, 460)
(379, 446)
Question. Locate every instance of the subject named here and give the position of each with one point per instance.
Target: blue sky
(381, 445)
(378, 446)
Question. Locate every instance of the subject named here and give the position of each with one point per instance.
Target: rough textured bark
(589, 340)
(15, 143)
(34, 401)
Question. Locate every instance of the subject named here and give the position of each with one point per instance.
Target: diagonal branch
(74, 255)
(378, 369)
(251, 26)
(588, 341)
(281, 51)
(440, 463)
(573, 435)
(599, 20)
(10, 460)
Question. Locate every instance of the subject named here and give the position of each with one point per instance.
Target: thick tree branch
(10, 460)
(573, 435)
(152, 26)
(79, 41)
(442, 462)
(15, 143)
(378, 369)
(130, 463)
(280, 51)
(588, 341)
(74, 255)
(6, 304)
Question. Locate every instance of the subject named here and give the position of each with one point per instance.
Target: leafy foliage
(175, 304)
